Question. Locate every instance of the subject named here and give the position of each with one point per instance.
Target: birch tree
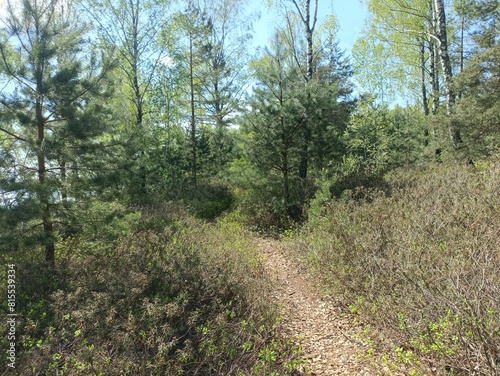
(442, 37)
(409, 26)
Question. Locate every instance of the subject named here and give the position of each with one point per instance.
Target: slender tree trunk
(193, 117)
(309, 26)
(48, 228)
(309, 38)
(434, 62)
(462, 26)
(461, 49)
(425, 103)
(219, 139)
(434, 77)
(134, 8)
(447, 71)
(136, 88)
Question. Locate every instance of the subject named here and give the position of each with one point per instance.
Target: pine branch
(13, 135)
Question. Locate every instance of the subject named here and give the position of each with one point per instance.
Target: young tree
(281, 99)
(51, 107)
(194, 27)
(207, 43)
(131, 28)
(224, 71)
(479, 106)
(307, 12)
(274, 121)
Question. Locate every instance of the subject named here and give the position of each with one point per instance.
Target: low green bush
(191, 299)
(209, 201)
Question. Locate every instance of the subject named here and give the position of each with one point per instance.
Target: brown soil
(330, 340)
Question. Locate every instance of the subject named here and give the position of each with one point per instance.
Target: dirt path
(329, 341)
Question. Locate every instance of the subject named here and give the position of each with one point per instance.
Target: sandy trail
(329, 341)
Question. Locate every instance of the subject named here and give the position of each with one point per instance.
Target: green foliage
(258, 197)
(478, 110)
(56, 124)
(386, 57)
(188, 299)
(376, 140)
(323, 194)
(383, 137)
(284, 115)
(209, 201)
(100, 163)
(423, 256)
(273, 127)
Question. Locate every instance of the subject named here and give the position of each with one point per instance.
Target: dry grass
(422, 261)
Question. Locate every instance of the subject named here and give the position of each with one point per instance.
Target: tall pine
(51, 117)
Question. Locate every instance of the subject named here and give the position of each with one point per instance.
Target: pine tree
(51, 110)
(274, 123)
(280, 106)
(478, 108)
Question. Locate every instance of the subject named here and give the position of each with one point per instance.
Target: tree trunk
(461, 48)
(433, 59)
(434, 77)
(309, 38)
(425, 103)
(193, 118)
(447, 71)
(135, 61)
(48, 228)
(219, 139)
(309, 26)
(462, 27)
(138, 95)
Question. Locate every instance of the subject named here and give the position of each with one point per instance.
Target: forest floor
(332, 342)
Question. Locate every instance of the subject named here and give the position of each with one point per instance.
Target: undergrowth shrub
(423, 263)
(260, 198)
(210, 201)
(189, 300)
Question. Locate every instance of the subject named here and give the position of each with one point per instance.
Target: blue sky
(350, 14)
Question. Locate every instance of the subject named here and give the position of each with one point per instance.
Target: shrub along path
(330, 341)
